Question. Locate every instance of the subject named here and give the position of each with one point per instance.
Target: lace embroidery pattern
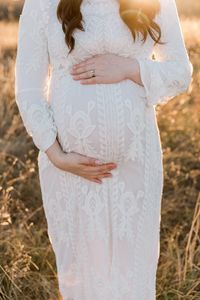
(81, 127)
(98, 232)
(137, 126)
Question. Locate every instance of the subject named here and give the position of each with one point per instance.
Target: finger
(98, 174)
(91, 173)
(85, 160)
(99, 168)
(92, 161)
(105, 175)
(97, 180)
(87, 61)
(83, 69)
(94, 170)
(105, 169)
(100, 178)
(86, 75)
(92, 80)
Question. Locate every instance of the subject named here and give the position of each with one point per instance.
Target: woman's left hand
(108, 68)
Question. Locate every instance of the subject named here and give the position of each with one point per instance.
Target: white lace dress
(105, 237)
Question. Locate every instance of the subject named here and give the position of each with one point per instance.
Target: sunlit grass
(8, 34)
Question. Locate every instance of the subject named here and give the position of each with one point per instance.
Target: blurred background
(27, 262)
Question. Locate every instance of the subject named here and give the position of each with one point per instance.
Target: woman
(93, 119)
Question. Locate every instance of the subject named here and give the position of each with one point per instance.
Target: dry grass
(8, 35)
(10, 9)
(27, 268)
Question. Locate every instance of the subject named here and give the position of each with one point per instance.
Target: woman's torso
(101, 120)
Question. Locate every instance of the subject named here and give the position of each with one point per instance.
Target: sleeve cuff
(46, 141)
(150, 81)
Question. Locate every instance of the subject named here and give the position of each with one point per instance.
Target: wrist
(59, 159)
(55, 152)
(132, 70)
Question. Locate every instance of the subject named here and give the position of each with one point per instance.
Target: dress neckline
(93, 2)
(99, 7)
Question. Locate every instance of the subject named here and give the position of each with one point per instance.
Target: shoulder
(168, 6)
(168, 11)
(38, 9)
(37, 5)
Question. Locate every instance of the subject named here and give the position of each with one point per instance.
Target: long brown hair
(137, 14)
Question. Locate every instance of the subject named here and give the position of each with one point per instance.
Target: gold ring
(93, 73)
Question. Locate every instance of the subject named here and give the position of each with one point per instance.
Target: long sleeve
(31, 76)
(170, 73)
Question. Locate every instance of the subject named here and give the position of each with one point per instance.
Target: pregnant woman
(89, 74)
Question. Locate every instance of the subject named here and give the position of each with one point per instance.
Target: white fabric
(105, 237)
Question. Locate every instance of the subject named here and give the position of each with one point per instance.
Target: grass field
(27, 262)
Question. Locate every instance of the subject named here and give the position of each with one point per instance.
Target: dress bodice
(105, 32)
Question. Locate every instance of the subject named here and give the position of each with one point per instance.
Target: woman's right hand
(79, 164)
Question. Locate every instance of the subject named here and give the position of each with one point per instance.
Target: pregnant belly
(106, 121)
